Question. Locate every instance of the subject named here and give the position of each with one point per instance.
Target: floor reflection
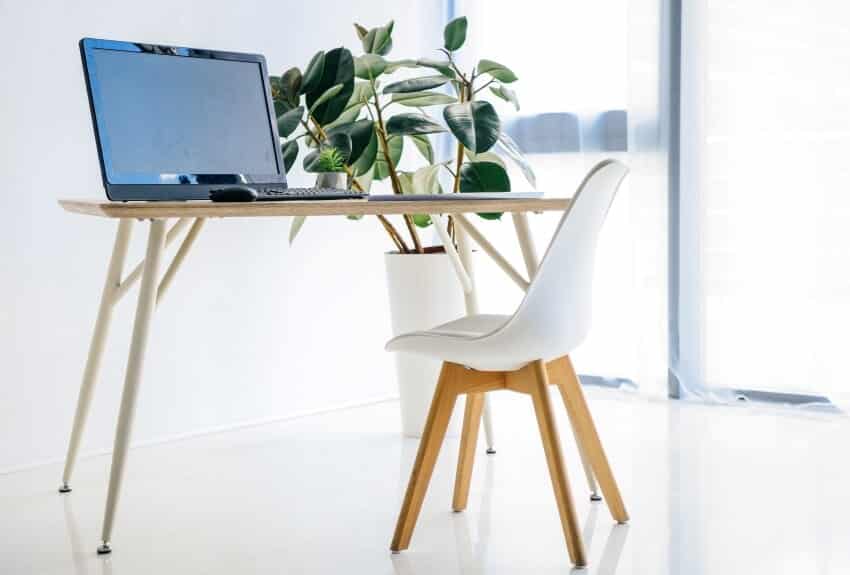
(472, 554)
(82, 557)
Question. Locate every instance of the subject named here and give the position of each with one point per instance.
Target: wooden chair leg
(442, 406)
(588, 438)
(555, 460)
(468, 443)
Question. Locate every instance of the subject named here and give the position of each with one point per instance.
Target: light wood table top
(207, 209)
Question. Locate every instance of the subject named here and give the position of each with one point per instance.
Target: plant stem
(484, 86)
(394, 235)
(459, 156)
(310, 133)
(388, 226)
(396, 183)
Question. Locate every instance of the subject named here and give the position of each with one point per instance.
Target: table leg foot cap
(490, 451)
(65, 488)
(595, 497)
(104, 549)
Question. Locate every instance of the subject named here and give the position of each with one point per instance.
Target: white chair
(524, 352)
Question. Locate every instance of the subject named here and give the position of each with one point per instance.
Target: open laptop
(177, 123)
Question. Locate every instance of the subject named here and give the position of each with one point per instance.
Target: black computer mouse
(233, 194)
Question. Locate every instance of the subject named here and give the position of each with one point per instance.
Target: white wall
(251, 328)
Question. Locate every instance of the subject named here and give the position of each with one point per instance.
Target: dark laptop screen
(162, 114)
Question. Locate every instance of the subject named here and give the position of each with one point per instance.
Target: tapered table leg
(135, 362)
(471, 301)
(98, 341)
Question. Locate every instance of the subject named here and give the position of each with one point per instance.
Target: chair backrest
(554, 316)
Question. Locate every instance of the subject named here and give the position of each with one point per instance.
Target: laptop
(176, 123)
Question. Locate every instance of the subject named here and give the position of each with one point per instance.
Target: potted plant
(353, 120)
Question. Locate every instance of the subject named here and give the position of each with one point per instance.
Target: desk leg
(471, 301)
(144, 314)
(98, 340)
(532, 261)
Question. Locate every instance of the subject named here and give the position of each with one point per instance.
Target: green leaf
(347, 117)
(361, 31)
(406, 181)
(290, 86)
(423, 99)
(423, 144)
(409, 124)
(394, 65)
(327, 95)
(360, 133)
(313, 74)
(484, 157)
(281, 107)
(474, 124)
(511, 150)
(362, 92)
(289, 151)
(416, 84)
(338, 69)
(364, 163)
(396, 146)
(484, 177)
(506, 94)
(422, 220)
(378, 40)
(295, 227)
(287, 123)
(477, 177)
(454, 34)
(426, 180)
(369, 66)
(498, 71)
(441, 66)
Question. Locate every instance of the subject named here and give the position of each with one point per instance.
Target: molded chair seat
(524, 352)
(459, 341)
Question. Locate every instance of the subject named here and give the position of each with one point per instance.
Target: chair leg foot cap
(490, 451)
(104, 549)
(65, 488)
(595, 497)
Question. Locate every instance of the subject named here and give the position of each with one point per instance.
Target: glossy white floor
(720, 490)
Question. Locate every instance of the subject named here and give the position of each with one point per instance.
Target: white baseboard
(207, 431)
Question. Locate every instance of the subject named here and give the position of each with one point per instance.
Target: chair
(525, 352)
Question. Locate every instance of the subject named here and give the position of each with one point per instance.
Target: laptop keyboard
(272, 194)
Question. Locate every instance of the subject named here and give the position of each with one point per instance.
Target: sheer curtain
(589, 87)
(765, 132)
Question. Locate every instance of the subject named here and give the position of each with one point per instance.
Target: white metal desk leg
(98, 340)
(529, 255)
(471, 301)
(141, 326)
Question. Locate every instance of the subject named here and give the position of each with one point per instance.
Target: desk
(153, 287)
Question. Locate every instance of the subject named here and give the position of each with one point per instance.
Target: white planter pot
(424, 292)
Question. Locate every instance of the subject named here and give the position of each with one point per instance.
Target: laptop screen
(184, 117)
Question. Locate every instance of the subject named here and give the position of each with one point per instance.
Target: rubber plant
(351, 117)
